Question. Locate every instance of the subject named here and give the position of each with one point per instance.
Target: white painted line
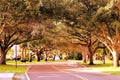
(76, 75)
(72, 64)
(26, 74)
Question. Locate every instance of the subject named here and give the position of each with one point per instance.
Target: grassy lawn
(99, 66)
(33, 62)
(107, 68)
(12, 62)
(12, 68)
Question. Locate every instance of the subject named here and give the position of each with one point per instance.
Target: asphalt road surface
(65, 71)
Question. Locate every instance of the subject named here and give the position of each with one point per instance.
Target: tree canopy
(19, 23)
(83, 22)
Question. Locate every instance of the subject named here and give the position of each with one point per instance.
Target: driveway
(65, 71)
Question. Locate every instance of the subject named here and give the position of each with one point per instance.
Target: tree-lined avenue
(65, 71)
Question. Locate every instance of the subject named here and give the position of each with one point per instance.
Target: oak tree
(19, 23)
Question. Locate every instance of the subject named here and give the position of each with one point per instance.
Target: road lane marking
(26, 74)
(51, 75)
(78, 76)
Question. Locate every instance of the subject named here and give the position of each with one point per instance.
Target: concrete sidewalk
(6, 76)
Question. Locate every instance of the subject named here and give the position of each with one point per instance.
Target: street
(65, 71)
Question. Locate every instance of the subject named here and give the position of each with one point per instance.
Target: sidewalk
(6, 76)
(20, 77)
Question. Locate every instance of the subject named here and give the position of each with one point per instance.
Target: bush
(75, 55)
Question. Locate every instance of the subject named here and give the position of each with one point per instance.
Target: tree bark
(23, 55)
(38, 56)
(84, 57)
(84, 60)
(90, 56)
(2, 57)
(30, 57)
(116, 59)
(85, 54)
(103, 57)
(91, 59)
(46, 57)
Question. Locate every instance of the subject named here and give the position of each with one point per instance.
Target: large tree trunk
(38, 56)
(90, 56)
(46, 57)
(84, 54)
(115, 59)
(84, 58)
(91, 59)
(30, 56)
(103, 57)
(2, 57)
(23, 55)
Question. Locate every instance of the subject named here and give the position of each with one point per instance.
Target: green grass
(99, 66)
(13, 68)
(107, 68)
(12, 62)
